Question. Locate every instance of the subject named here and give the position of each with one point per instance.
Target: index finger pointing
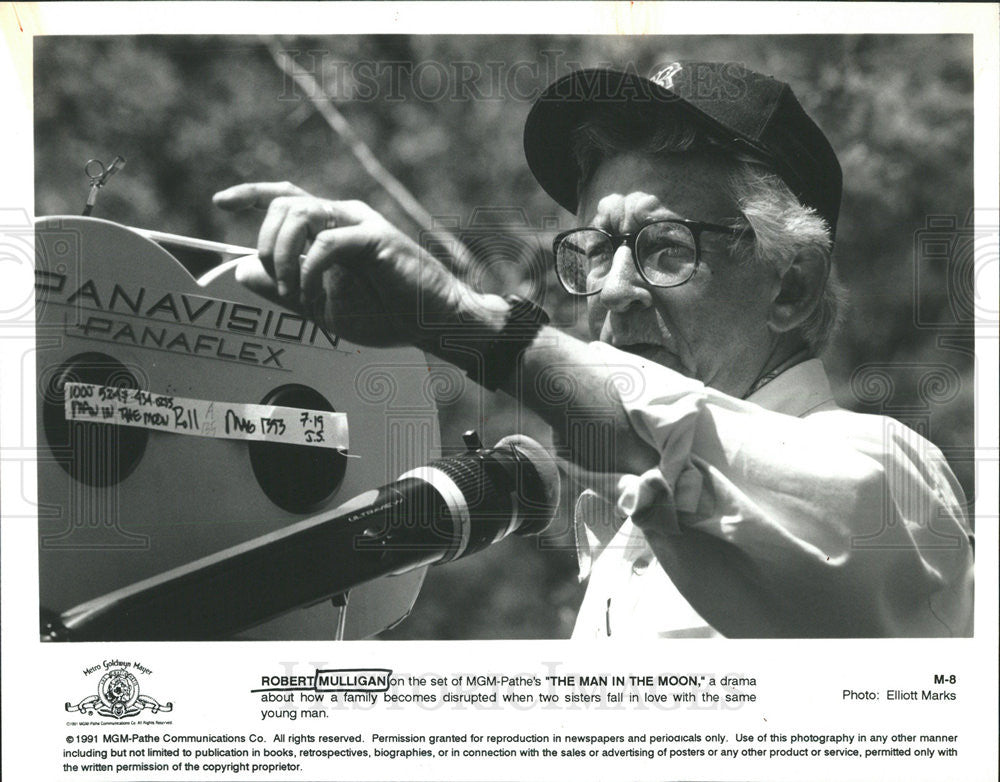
(255, 195)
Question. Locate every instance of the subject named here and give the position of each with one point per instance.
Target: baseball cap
(738, 108)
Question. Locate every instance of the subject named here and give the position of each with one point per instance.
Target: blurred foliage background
(444, 114)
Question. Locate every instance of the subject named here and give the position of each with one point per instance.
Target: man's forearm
(558, 379)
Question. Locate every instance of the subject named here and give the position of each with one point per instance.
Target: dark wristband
(502, 353)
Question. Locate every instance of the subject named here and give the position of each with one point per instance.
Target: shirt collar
(796, 391)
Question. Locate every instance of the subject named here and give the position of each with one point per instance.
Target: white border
(32, 675)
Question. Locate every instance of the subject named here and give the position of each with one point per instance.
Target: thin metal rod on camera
(195, 244)
(461, 259)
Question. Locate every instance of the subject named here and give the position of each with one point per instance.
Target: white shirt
(780, 515)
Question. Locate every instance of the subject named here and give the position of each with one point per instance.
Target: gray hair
(779, 226)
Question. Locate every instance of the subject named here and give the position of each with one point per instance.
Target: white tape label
(204, 418)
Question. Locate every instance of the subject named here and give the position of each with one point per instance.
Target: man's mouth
(642, 342)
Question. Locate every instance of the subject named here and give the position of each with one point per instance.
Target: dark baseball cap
(736, 107)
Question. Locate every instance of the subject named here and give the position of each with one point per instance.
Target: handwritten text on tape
(204, 418)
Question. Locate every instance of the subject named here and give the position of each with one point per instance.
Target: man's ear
(799, 291)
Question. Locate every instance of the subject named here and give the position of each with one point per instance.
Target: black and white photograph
(730, 297)
(493, 391)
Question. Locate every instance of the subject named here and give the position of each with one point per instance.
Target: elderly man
(734, 497)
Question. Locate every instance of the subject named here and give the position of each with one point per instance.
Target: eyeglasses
(665, 252)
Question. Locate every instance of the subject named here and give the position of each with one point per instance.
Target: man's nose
(624, 286)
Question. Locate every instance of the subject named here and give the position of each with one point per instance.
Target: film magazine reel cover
(208, 460)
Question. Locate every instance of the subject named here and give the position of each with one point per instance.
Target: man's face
(714, 326)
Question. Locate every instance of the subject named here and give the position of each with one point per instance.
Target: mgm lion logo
(118, 691)
(118, 696)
